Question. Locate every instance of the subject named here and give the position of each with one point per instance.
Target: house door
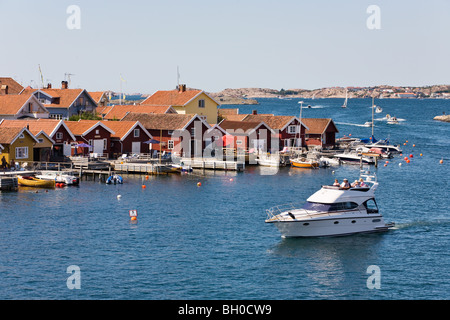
(67, 149)
(136, 147)
(98, 146)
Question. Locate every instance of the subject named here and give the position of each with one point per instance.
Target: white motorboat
(59, 177)
(331, 211)
(384, 145)
(269, 160)
(354, 157)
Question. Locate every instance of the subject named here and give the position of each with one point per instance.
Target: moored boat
(30, 181)
(59, 177)
(114, 179)
(304, 163)
(331, 211)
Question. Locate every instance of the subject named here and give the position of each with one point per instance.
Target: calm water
(211, 242)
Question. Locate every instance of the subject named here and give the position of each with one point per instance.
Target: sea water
(211, 242)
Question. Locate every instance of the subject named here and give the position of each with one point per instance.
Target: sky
(225, 44)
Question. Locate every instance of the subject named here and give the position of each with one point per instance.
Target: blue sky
(226, 44)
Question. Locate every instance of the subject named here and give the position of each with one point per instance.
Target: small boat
(346, 100)
(392, 120)
(384, 145)
(59, 177)
(328, 162)
(114, 179)
(378, 109)
(181, 168)
(332, 211)
(354, 158)
(269, 160)
(304, 163)
(30, 181)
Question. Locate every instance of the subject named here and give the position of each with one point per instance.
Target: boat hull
(34, 182)
(300, 164)
(331, 227)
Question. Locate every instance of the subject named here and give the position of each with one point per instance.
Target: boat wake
(353, 124)
(415, 224)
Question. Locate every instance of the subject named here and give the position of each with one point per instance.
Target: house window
(21, 136)
(192, 133)
(97, 131)
(21, 152)
(136, 133)
(201, 103)
(105, 144)
(41, 140)
(57, 116)
(292, 129)
(170, 144)
(59, 135)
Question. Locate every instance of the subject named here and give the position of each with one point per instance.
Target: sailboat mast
(373, 107)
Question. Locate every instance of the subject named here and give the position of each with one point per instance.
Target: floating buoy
(387, 162)
(231, 179)
(404, 144)
(133, 218)
(441, 161)
(119, 196)
(414, 145)
(400, 164)
(143, 186)
(199, 184)
(406, 141)
(146, 177)
(385, 165)
(411, 156)
(408, 161)
(406, 158)
(351, 135)
(420, 154)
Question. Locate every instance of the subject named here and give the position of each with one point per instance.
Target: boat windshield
(327, 207)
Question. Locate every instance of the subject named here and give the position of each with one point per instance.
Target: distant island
(248, 95)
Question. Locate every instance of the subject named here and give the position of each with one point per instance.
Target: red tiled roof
(11, 104)
(172, 97)
(158, 121)
(318, 125)
(13, 86)
(119, 111)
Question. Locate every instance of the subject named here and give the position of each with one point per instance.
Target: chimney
(4, 89)
(182, 88)
(49, 85)
(64, 85)
(254, 112)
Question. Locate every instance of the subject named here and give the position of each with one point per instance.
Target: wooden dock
(8, 183)
(213, 164)
(147, 168)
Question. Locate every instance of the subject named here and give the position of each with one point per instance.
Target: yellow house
(186, 102)
(18, 144)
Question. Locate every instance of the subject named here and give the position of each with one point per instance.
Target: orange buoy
(406, 158)
(408, 161)
(385, 164)
(146, 177)
(143, 186)
(441, 161)
(231, 179)
(199, 184)
(410, 155)
(406, 141)
(133, 218)
(414, 145)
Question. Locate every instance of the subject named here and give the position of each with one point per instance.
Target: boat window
(330, 207)
(371, 206)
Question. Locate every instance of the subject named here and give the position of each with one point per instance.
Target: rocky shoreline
(246, 95)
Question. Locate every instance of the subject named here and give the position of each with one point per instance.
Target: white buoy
(119, 196)
(400, 164)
